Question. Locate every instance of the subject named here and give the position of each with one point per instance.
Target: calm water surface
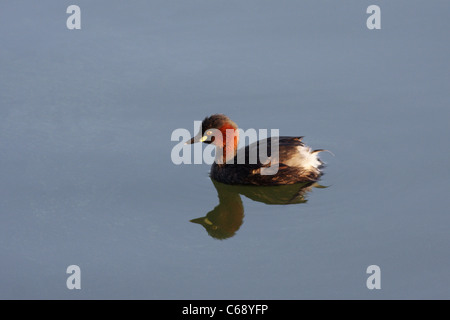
(86, 119)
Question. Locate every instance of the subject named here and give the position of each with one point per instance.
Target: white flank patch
(304, 159)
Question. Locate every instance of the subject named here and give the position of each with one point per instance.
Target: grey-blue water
(86, 176)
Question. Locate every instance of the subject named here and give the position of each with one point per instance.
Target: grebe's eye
(209, 132)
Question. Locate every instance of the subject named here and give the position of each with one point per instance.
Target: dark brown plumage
(294, 160)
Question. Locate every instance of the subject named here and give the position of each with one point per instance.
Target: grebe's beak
(197, 138)
(204, 222)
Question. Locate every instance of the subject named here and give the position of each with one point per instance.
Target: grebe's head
(212, 127)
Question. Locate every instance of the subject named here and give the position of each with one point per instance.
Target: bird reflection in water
(227, 217)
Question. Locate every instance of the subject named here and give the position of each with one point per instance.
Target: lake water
(86, 118)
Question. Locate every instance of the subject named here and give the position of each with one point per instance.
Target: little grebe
(295, 161)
